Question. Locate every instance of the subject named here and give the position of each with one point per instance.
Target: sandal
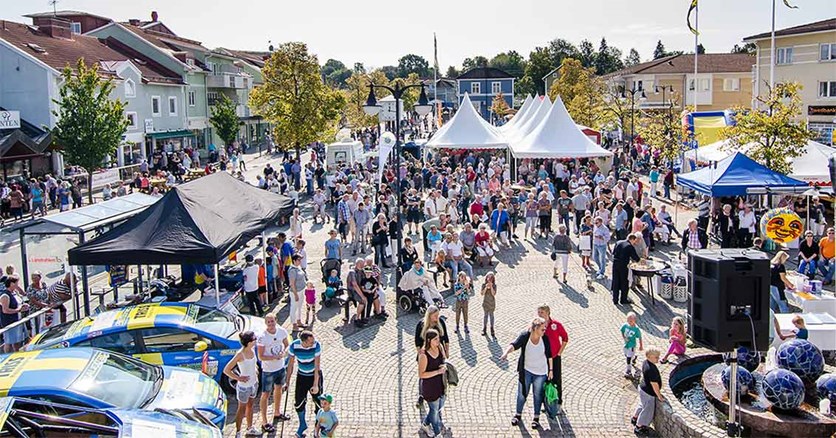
(516, 420)
(268, 428)
(281, 417)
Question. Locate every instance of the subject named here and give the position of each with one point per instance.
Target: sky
(378, 32)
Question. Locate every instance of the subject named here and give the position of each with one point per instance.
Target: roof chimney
(154, 16)
(133, 22)
(56, 27)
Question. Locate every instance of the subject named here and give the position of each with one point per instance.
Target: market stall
(734, 176)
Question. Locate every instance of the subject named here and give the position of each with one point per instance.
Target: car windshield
(119, 381)
(216, 322)
(56, 333)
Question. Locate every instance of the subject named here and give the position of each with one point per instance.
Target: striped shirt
(55, 291)
(305, 356)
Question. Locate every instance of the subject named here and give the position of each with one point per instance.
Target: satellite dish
(387, 139)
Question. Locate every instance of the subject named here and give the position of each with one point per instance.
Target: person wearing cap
(326, 418)
(251, 286)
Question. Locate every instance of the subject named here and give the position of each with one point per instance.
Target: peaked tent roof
(812, 165)
(519, 115)
(521, 118)
(519, 132)
(557, 136)
(733, 175)
(199, 222)
(467, 129)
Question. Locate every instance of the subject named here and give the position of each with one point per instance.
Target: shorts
(262, 289)
(271, 379)
(15, 335)
(629, 352)
(245, 393)
(413, 216)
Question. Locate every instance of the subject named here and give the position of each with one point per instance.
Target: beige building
(724, 80)
(806, 54)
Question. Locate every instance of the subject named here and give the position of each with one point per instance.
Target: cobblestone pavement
(372, 371)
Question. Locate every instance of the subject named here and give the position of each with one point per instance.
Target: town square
(368, 219)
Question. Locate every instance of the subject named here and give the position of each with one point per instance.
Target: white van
(343, 152)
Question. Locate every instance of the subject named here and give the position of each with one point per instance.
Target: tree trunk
(298, 152)
(90, 187)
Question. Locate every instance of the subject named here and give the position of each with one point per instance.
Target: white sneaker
(427, 429)
(252, 431)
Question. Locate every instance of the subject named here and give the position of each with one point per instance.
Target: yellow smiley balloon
(782, 225)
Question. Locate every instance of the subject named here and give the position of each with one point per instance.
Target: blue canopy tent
(733, 175)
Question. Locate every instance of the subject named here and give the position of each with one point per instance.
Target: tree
(539, 64)
(582, 92)
(659, 52)
(413, 64)
(390, 71)
(587, 53)
(355, 94)
(633, 58)
(452, 73)
(700, 49)
(499, 106)
(90, 124)
(410, 96)
(476, 61)
(560, 49)
(224, 119)
(510, 62)
(359, 68)
(749, 48)
(334, 73)
(293, 98)
(662, 130)
(608, 59)
(525, 86)
(774, 135)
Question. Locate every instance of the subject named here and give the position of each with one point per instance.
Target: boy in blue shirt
(326, 418)
(631, 333)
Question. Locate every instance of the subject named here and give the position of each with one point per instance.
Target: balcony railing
(227, 80)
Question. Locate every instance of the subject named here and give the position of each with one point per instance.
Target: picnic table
(194, 174)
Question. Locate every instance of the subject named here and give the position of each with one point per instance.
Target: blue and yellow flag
(691, 9)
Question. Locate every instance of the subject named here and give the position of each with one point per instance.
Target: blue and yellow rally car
(24, 418)
(175, 334)
(94, 378)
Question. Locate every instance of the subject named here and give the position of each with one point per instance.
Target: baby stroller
(334, 293)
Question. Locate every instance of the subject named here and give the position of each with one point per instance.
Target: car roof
(133, 317)
(52, 369)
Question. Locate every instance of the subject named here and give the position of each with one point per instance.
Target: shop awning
(171, 134)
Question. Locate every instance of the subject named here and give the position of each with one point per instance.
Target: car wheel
(227, 385)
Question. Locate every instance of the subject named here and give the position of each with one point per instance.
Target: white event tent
(467, 130)
(519, 132)
(520, 115)
(557, 136)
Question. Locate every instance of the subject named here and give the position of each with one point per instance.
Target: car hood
(253, 324)
(184, 388)
(138, 423)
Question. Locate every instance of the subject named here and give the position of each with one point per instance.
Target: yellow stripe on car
(152, 358)
(143, 315)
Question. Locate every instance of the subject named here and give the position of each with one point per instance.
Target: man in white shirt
(272, 347)
(251, 287)
(746, 227)
(581, 203)
(456, 262)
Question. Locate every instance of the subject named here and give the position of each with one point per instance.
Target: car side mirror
(200, 346)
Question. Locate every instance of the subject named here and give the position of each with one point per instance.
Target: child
(246, 377)
(262, 281)
(800, 330)
(586, 242)
(333, 284)
(461, 291)
(631, 333)
(650, 389)
(301, 252)
(295, 231)
(310, 303)
(326, 418)
(488, 303)
(677, 338)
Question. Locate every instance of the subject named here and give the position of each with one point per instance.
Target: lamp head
(371, 107)
(423, 107)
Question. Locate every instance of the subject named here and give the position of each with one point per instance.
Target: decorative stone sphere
(802, 358)
(745, 381)
(747, 359)
(783, 389)
(826, 385)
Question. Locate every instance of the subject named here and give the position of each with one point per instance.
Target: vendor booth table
(820, 326)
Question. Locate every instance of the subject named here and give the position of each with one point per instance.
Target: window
(246, 83)
(827, 89)
(156, 109)
(75, 27)
(648, 85)
(231, 81)
(475, 88)
(496, 88)
(190, 62)
(705, 84)
(639, 85)
(130, 88)
(211, 66)
(212, 97)
(131, 116)
(827, 52)
(191, 98)
(122, 342)
(731, 84)
(170, 339)
(783, 55)
(172, 105)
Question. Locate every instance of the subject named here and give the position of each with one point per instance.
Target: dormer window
(130, 88)
(76, 28)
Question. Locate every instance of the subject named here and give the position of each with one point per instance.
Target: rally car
(175, 334)
(24, 418)
(94, 378)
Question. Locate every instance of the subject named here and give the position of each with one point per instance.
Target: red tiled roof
(59, 52)
(817, 26)
(682, 64)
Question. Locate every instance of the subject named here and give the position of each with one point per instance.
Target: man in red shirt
(558, 338)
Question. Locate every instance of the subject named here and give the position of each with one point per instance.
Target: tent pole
(263, 246)
(808, 213)
(139, 275)
(217, 288)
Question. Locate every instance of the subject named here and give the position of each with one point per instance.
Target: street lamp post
(665, 89)
(642, 97)
(422, 107)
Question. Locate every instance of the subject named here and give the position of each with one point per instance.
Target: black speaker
(727, 287)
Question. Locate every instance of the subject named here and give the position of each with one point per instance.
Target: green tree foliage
(633, 58)
(476, 61)
(510, 62)
(659, 52)
(582, 92)
(334, 73)
(90, 124)
(662, 130)
(224, 119)
(539, 64)
(749, 48)
(413, 64)
(608, 59)
(293, 98)
(390, 71)
(587, 53)
(452, 72)
(775, 130)
(355, 94)
(560, 49)
(359, 68)
(525, 86)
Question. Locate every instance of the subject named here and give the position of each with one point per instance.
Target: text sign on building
(9, 119)
(821, 110)
(149, 125)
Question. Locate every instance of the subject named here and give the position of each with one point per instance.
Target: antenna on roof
(54, 4)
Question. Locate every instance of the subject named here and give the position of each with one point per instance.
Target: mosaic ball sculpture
(745, 358)
(826, 385)
(783, 389)
(802, 358)
(745, 381)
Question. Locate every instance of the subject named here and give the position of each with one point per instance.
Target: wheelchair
(411, 300)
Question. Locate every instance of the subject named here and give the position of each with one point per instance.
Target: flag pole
(772, 50)
(696, 51)
(435, 82)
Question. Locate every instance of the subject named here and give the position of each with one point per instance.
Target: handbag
(585, 243)
(554, 256)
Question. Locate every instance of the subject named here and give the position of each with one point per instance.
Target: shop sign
(9, 119)
(821, 110)
(149, 125)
